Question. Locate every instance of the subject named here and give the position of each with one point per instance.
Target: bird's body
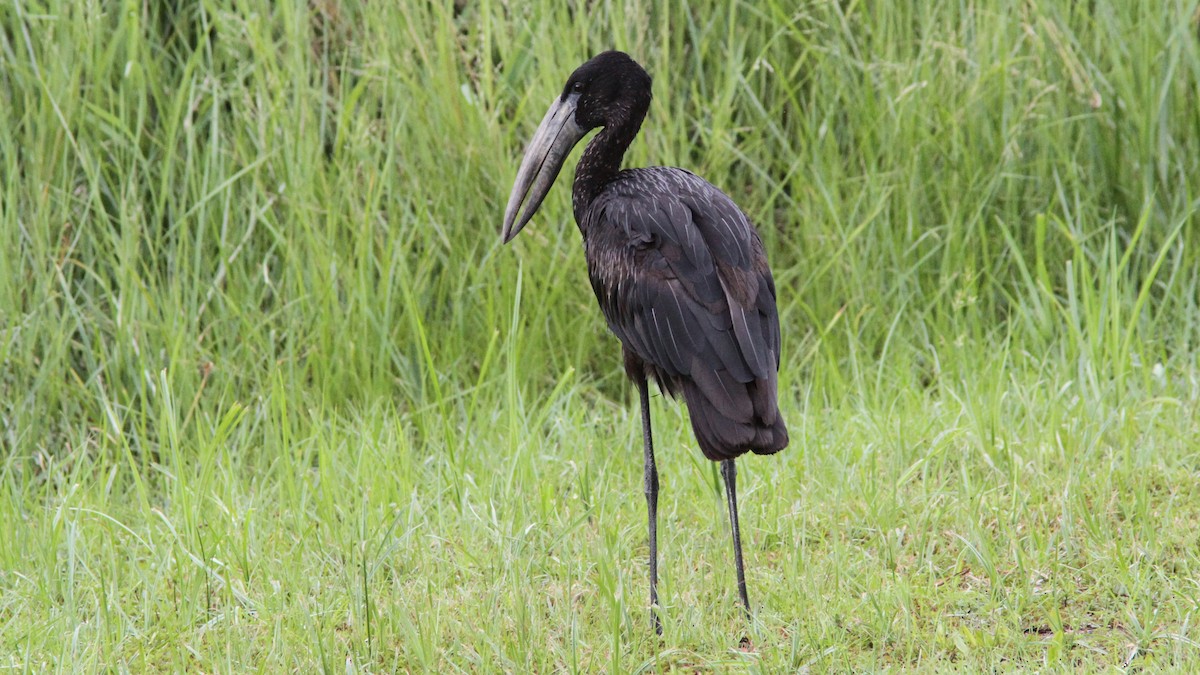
(683, 282)
(678, 270)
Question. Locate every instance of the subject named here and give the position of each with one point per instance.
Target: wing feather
(675, 265)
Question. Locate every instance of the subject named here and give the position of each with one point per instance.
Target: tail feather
(732, 418)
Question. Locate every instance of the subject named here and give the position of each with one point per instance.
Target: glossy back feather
(682, 279)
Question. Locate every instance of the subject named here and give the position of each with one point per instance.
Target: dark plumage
(678, 270)
(683, 281)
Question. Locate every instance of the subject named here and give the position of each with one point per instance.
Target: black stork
(679, 272)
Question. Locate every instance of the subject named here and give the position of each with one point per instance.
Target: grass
(274, 397)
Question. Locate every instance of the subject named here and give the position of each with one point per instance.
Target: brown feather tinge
(722, 391)
(726, 431)
(723, 434)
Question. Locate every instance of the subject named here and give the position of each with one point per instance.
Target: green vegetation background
(274, 397)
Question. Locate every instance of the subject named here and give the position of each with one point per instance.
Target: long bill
(544, 157)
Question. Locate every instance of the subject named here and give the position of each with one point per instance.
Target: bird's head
(610, 88)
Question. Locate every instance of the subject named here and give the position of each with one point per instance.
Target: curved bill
(544, 157)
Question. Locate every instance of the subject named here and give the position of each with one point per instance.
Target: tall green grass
(273, 395)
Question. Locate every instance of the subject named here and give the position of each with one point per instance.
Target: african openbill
(679, 272)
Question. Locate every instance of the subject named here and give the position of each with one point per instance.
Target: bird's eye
(578, 86)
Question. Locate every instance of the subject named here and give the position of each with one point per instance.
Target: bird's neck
(601, 161)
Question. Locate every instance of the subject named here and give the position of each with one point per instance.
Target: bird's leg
(729, 473)
(651, 485)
